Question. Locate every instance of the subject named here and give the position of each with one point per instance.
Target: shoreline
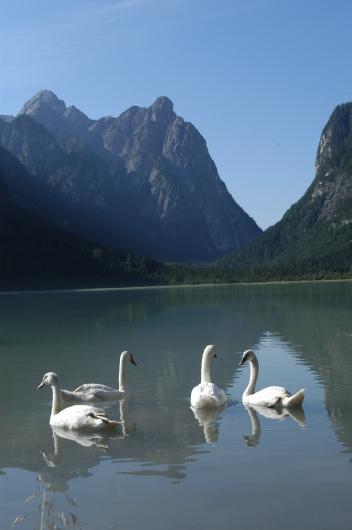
(177, 286)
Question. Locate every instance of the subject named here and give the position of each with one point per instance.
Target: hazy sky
(258, 78)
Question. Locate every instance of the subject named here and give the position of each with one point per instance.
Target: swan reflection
(88, 439)
(127, 427)
(207, 418)
(251, 440)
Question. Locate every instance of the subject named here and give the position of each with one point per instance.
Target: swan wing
(89, 387)
(267, 397)
(107, 394)
(93, 392)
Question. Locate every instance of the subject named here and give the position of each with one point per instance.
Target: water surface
(241, 469)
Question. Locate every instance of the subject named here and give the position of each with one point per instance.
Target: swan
(272, 396)
(206, 394)
(78, 417)
(96, 391)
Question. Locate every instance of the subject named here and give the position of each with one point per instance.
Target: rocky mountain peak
(331, 190)
(51, 112)
(161, 109)
(77, 120)
(335, 138)
(46, 108)
(41, 101)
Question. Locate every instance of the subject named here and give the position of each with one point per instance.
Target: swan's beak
(241, 362)
(132, 360)
(215, 356)
(41, 385)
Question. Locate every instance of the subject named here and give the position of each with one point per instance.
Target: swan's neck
(123, 371)
(56, 406)
(205, 370)
(254, 369)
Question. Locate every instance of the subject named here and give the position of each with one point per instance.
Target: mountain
(35, 253)
(316, 232)
(143, 181)
(71, 189)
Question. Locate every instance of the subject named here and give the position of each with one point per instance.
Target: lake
(240, 469)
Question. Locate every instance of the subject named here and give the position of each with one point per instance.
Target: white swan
(206, 394)
(272, 396)
(96, 391)
(78, 417)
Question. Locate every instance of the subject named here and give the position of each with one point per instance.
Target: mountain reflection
(316, 319)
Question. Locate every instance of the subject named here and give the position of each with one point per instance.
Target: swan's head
(209, 351)
(132, 359)
(127, 355)
(248, 355)
(50, 378)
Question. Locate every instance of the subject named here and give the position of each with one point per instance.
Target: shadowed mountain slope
(145, 178)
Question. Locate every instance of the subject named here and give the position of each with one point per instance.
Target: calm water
(238, 470)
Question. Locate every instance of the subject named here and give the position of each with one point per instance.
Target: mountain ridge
(166, 198)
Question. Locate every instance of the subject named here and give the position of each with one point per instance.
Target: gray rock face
(167, 197)
(66, 188)
(333, 183)
(51, 112)
(6, 117)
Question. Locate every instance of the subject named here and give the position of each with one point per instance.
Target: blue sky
(258, 78)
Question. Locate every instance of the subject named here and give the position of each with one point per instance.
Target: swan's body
(272, 396)
(206, 394)
(97, 392)
(83, 418)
